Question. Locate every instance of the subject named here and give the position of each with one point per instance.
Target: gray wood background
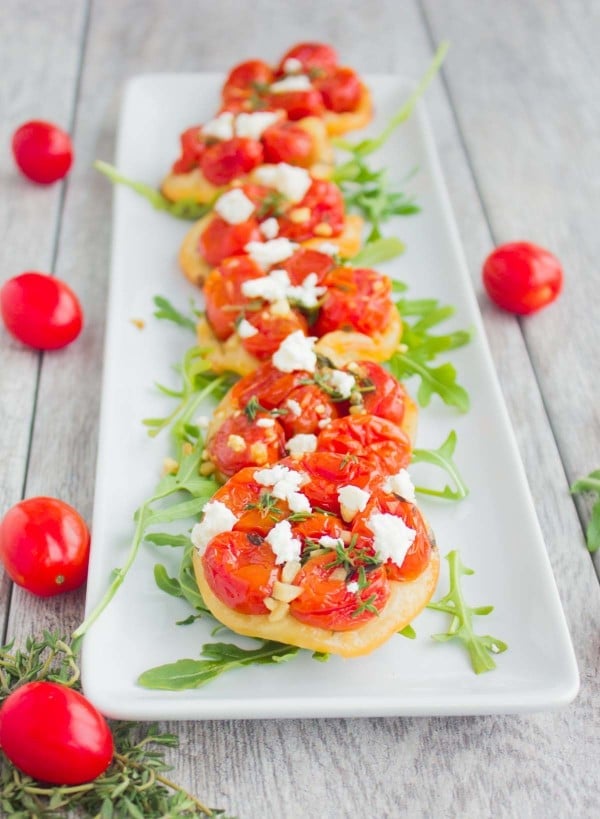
(517, 123)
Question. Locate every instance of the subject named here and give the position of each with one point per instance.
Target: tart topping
(292, 66)
(288, 180)
(401, 484)
(308, 293)
(352, 500)
(266, 254)
(301, 443)
(217, 518)
(245, 329)
(253, 125)
(269, 228)
(343, 383)
(271, 288)
(234, 207)
(298, 82)
(221, 127)
(393, 538)
(284, 545)
(296, 352)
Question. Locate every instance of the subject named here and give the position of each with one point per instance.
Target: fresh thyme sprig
(443, 458)
(591, 484)
(134, 785)
(481, 647)
(184, 209)
(419, 346)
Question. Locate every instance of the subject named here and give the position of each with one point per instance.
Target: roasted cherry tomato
(327, 472)
(318, 525)
(305, 261)
(44, 546)
(522, 277)
(42, 151)
(324, 206)
(419, 552)
(240, 569)
(192, 148)
(356, 299)
(252, 503)
(268, 385)
(223, 292)
(382, 394)
(53, 734)
(340, 89)
(327, 602)
(41, 311)
(272, 329)
(241, 442)
(247, 77)
(311, 56)
(374, 439)
(307, 406)
(297, 104)
(223, 162)
(220, 239)
(286, 142)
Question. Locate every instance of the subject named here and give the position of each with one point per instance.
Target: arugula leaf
(591, 484)
(220, 657)
(409, 632)
(165, 310)
(480, 647)
(167, 539)
(442, 457)
(378, 251)
(170, 585)
(184, 209)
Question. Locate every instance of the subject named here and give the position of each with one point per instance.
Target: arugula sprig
(218, 658)
(168, 312)
(378, 251)
(443, 458)
(481, 647)
(184, 209)
(419, 346)
(591, 484)
(134, 784)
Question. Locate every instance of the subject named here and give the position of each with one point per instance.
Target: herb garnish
(481, 647)
(165, 310)
(184, 209)
(442, 457)
(366, 605)
(267, 505)
(591, 484)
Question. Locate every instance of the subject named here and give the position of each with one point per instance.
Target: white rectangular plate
(495, 529)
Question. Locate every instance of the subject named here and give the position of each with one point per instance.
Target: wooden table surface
(516, 115)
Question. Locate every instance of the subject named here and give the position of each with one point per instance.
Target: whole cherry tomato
(324, 205)
(42, 151)
(305, 261)
(382, 394)
(192, 148)
(240, 569)
(41, 311)
(356, 299)
(268, 385)
(44, 546)
(522, 277)
(272, 330)
(340, 89)
(241, 442)
(246, 77)
(223, 162)
(375, 439)
(286, 142)
(242, 495)
(313, 406)
(223, 292)
(54, 734)
(297, 104)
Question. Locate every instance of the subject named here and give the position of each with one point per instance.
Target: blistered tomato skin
(42, 151)
(44, 546)
(40, 311)
(53, 734)
(521, 277)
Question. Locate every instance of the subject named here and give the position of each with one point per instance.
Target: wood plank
(526, 766)
(38, 66)
(527, 98)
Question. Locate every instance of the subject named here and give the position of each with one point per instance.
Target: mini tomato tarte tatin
(253, 304)
(308, 81)
(279, 207)
(320, 550)
(231, 145)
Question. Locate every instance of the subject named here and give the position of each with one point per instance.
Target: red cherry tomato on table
(42, 151)
(522, 277)
(54, 734)
(40, 311)
(44, 546)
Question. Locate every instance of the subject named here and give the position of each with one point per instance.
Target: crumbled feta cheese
(245, 329)
(265, 422)
(266, 254)
(271, 288)
(329, 248)
(329, 542)
(294, 407)
(289, 180)
(298, 82)
(343, 383)
(234, 207)
(296, 353)
(298, 502)
(352, 587)
(284, 545)
(285, 481)
(393, 538)
(270, 476)
(301, 443)
(324, 422)
(308, 293)
(402, 485)
(217, 518)
(292, 66)
(221, 127)
(252, 126)
(352, 500)
(269, 228)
